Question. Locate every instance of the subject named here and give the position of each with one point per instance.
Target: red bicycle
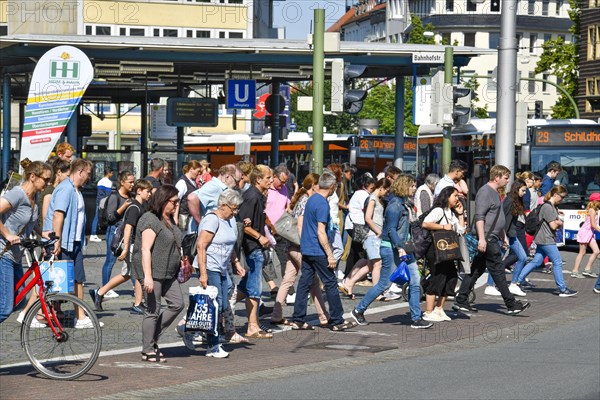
(60, 348)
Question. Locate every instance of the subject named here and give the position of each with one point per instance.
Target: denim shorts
(77, 257)
(371, 246)
(250, 284)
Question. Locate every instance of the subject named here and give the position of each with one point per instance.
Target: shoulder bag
(287, 228)
(445, 244)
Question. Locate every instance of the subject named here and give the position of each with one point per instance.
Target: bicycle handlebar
(31, 244)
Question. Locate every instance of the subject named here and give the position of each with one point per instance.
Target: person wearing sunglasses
(18, 218)
(552, 219)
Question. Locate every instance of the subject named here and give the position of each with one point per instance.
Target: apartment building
(588, 97)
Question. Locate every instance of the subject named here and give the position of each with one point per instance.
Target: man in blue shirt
(317, 257)
(66, 217)
(553, 169)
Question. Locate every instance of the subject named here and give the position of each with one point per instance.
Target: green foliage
(473, 84)
(562, 60)
(416, 35)
(380, 105)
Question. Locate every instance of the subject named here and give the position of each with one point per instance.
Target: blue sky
(296, 15)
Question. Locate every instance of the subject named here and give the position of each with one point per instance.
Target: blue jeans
(517, 248)
(95, 220)
(251, 283)
(221, 282)
(551, 251)
(389, 261)
(110, 258)
(318, 265)
(10, 273)
(597, 284)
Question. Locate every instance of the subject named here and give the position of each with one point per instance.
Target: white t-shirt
(218, 252)
(334, 208)
(80, 215)
(447, 217)
(356, 205)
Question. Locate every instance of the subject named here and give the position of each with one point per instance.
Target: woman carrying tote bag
(447, 214)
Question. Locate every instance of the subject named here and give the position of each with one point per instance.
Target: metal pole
(72, 130)
(144, 141)
(118, 133)
(180, 139)
(399, 124)
(318, 90)
(6, 126)
(275, 128)
(447, 129)
(507, 67)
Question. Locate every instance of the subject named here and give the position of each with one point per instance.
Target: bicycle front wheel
(74, 349)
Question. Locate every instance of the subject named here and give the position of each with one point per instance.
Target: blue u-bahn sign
(241, 94)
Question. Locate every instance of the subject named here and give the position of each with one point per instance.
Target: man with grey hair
(317, 257)
(157, 167)
(424, 194)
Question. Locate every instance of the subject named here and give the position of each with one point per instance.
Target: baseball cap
(595, 197)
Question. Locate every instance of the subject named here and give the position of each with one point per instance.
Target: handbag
(446, 246)
(203, 311)
(185, 270)
(361, 232)
(401, 275)
(287, 228)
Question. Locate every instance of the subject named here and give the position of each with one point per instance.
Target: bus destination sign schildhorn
(561, 136)
(182, 111)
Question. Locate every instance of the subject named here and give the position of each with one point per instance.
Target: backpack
(117, 244)
(533, 222)
(103, 212)
(189, 243)
(420, 236)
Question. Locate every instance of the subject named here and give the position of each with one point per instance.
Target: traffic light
(539, 109)
(461, 112)
(495, 6)
(343, 95)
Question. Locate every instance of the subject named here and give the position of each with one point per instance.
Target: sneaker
(389, 296)
(217, 352)
(439, 311)
(198, 338)
(432, 317)
(34, 322)
(359, 318)
(111, 294)
(139, 310)
(492, 291)
(95, 238)
(548, 268)
(527, 284)
(518, 307)
(97, 299)
(516, 290)
(86, 323)
(466, 307)
(340, 275)
(577, 275)
(567, 293)
(186, 337)
(395, 289)
(596, 290)
(290, 299)
(589, 274)
(420, 324)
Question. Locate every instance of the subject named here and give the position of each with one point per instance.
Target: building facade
(588, 97)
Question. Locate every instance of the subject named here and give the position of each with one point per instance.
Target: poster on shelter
(59, 81)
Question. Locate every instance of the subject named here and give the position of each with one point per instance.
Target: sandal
(281, 322)
(237, 338)
(343, 326)
(350, 296)
(153, 358)
(259, 335)
(301, 326)
(342, 287)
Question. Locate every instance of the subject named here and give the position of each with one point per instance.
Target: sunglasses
(174, 202)
(47, 180)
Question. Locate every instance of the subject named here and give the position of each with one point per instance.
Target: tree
(562, 60)
(380, 104)
(480, 112)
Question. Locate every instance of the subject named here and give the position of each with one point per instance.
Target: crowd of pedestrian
(366, 222)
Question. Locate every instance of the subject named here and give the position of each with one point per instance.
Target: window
(446, 38)
(221, 35)
(519, 40)
(532, 39)
(559, 6)
(590, 87)
(203, 34)
(494, 40)
(547, 37)
(3, 30)
(531, 84)
(88, 30)
(136, 32)
(593, 39)
(450, 5)
(123, 31)
(491, 85)
(236, 35)
(156, 32)
(545, 77)
(594, 3)
(545, 6)
(470, 39)
(103, 30)
(170, 32)
(531, 7)
(471, 5)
